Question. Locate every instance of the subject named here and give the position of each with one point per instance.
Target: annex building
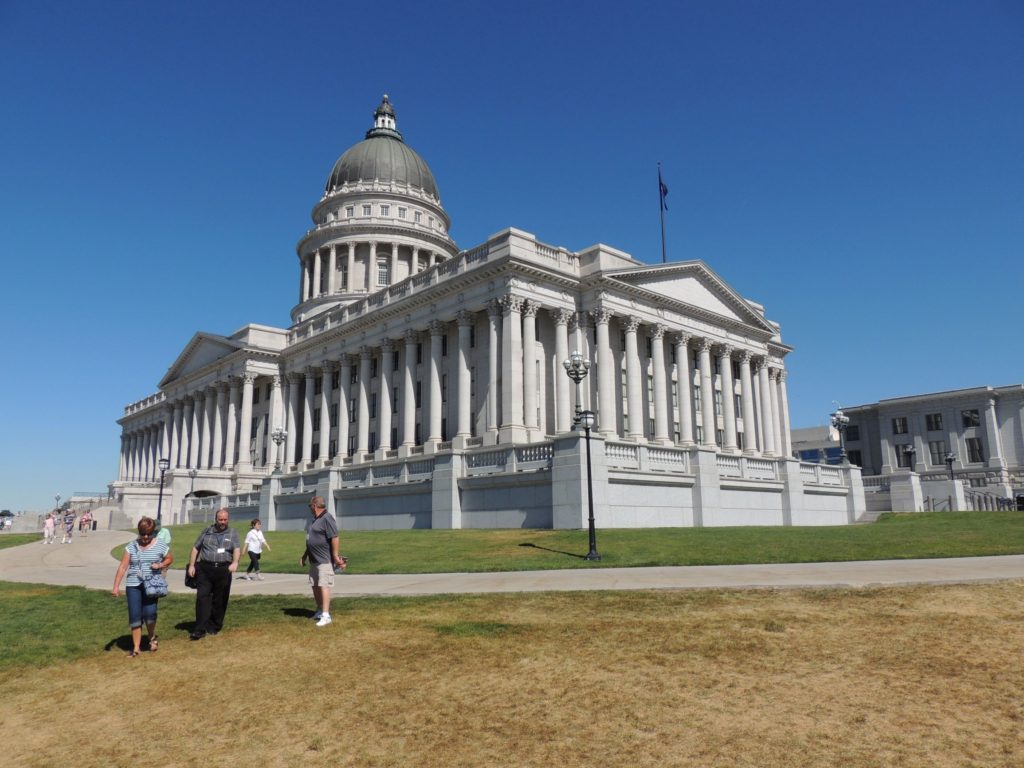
(423, 385)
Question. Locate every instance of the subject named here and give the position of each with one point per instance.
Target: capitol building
(421, 385)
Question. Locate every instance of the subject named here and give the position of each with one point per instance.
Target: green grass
(17, 539)
(894, 536)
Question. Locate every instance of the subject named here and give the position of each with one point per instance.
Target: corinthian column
(231, 439)
(363, 431)
(218, 426)
(512, 370)
(307, 415)
(332, 269)
(294, 378)
(562, 408)
(209, 403)
(747, 401)
(175, 434)
(436, 335)
(188, 432)
(728, 398)
(634, 385)
(493, 321)
(684, 384)
(384, 409)
(324, 455)
(767, 430)
(245, 425)
(661, 404)
(787, 445)
(409, 390)
(464, 396)
(529, 313)
(606, 411)
(773, 390)
(316, 272)
(344, 396)
(707, 395)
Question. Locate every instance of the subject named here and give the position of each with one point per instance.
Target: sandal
(154, 644)
(132, 654)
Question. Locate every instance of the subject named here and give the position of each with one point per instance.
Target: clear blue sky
(856, 167)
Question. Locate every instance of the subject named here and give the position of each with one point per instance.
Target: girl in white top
(255, 541)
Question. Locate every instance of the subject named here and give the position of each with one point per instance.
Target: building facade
(420, 385)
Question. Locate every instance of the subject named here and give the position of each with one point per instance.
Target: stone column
(130, 457)
(563, 409)
(747, 402)
(307, 415)
(175, 433)
(436, 333)
(122, 464)
(494, 319)
(995, 444)
(316, 272)
(371, 267)
(218, 427)
(384, 405)
(684, 385)
(291, 441)
(529, 313)
(767, 432)
(344, 395)
(661, 403)
(350, 267)
(773, 390)
(245, 423)
(707, 396)
(275, 420)
(363, 431)
(606, 410)
(324, 454)
(206, 430)
(393, 270)
(634, 383)
(728, 398)
(231, 439)
(409, 390)
(332, 269)
(305, 279)
(144, 456)
(787, 441)
(512, 428)
(463, 396)
(189, 444)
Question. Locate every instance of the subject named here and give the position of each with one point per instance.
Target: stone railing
(653, 458)
(824, 474)
(873, 484)
(144, 403)
(524, 458)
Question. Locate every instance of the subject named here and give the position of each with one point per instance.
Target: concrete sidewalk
(87, 563)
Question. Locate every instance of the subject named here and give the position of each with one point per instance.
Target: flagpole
(661, 211)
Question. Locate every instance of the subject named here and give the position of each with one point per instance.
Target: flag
(662, 191)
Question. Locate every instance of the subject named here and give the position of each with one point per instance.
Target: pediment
(691, 284)
(201, 351)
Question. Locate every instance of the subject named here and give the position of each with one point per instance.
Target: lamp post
(587, 419)
(57, 500)
(950, 458)
(192, 476)
(577, 369)
(840, 421)
(909, 451)
(278, 436)
(164, 465)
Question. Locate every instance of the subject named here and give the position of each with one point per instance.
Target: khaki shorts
(321, 575)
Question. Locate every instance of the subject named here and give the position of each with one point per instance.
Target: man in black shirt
(213, 562)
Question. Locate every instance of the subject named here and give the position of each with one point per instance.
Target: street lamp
(57, 499)
(164, 465)
(587, 419)
(278, 436)
(840, 421)
(909, 451)
(950, 458)
(192, 473)
(577, 368)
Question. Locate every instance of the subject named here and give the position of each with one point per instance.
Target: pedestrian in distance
(322, 554)
(146, 553)
(69, 525)
(213, 561)
(49, 528)
(254, 543)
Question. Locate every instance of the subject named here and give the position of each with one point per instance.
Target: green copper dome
(383, 156)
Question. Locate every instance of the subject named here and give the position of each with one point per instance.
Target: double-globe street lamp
(164, 465)
(950, 458)
(840, 421)
(577, 368)
(278, 436)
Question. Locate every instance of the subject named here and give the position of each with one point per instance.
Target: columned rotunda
(420, 385)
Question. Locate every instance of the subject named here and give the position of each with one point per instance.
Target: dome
(383, 156)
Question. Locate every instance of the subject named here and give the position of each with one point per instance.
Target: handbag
(154, 584)
(190, 581)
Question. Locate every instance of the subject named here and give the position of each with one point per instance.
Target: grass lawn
(894, 536)
(916, 676)
(17, 539)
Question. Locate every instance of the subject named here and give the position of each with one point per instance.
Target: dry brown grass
(925, 676)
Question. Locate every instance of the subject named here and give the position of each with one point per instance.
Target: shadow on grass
(555, 551)
(298, 613)
(121, 643)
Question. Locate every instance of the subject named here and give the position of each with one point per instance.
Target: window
(650, 347)
(385, 210)
(975, 453)
(255, 427)
(382, 272)
(853, 432)
(933, 421)
(738, 405)
(317, 385)
(937, 452)
(343, 268)
(472, 337)
(419, 393)
(419, 353)
(855, 458)
(334, 418)
(373, 441)
(316, 449)
(367, 210)
(444, 346)
(255, 395)
(373, 405)
(352, 411)
(739, 440)
(394, 400)
(333, 448)
(351, 444)
(904, 455)
(353, 376)
(736, 370)
(350, 211)
(316, 419)
(417, 216)
(335, 379)
(394, 436)
(696, 360)
(899, 425)
(696, 398)
(444, 388)
(718, 402)
(700, 434)
(373, 368)
(978, 482)
(720, 437)
(401, 212)
(970, 418)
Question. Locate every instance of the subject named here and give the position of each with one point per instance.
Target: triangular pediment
(201, 351)
(691, 284)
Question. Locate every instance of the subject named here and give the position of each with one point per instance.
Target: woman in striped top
(145, 553)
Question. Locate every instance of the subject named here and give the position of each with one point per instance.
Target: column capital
(248, 377)
(436, 328)
(783, 374)
(658, 332)
(725, 350)
(745, 356)
(530, 308)
(601, 315)
(311, 371)
(632, 323)
(704, 344)
(577, 320)
(494, 309)
(365, 352)
(411, 336)
(387, 345)
(511, 303)
(560, 315)
(294, 377)
(681, 338)
(464, 318)
(275, 381)
(330, 366)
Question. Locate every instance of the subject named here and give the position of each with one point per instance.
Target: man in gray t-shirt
(322, 554)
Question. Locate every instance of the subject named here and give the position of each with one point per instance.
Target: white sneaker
(259, 576)
(324, 620)
(317, 616)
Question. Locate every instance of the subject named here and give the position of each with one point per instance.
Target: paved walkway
(87, 563)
